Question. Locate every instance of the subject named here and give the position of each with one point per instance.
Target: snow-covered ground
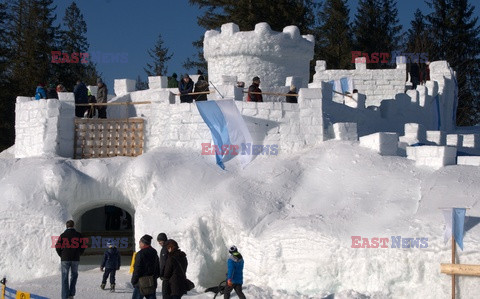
(291, 216)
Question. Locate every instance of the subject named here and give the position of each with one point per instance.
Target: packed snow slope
(291, 216)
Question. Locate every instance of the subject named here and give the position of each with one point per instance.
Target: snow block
(155, 82)
(66, 96)
(385, 143)
(124, 86)
(432, 155)
(345, 131)
(471, 141)
(468, 160)
(455, 140)
(437, 137)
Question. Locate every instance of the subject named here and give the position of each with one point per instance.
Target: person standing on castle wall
(69, 248)
(172, 81)
(254, 88)
(185, 87)
(201, 86)
(40, 92)
(414, 74)
(81, 97)
(91, 100)
(102, 93)
(61, 88)
(51, 92)
(292, 99)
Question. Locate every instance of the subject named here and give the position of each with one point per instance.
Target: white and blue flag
(227, 127)
(454, 224)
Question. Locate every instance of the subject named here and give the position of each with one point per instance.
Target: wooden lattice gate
(99, 138)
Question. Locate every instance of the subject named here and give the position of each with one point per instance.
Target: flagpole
(453, 262)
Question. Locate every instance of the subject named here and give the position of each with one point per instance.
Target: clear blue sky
(132, 27)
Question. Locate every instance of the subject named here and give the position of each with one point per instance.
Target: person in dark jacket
(146, 264)
(81, 97)
(162, 241)
(40, 92)
(201, 86)
(111, 263)
(292, 99)
(185, 87)
(69, 247)
(414, 74)
(254, 88)
(172, 81)
(175, 270)
(102, 93)
(235, 274)
(51, 92)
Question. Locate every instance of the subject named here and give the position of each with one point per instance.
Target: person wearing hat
(186, 87)
(175, 271)
(111, 263)
(172, 81)
(40, 92)
(102, 93)
(254, 88)
(234, 274)
(146, 264)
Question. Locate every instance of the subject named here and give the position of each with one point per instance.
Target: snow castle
(384, 115)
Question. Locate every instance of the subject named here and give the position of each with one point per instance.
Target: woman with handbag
(175, 271)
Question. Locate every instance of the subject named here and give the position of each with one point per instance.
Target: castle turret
(271, 55)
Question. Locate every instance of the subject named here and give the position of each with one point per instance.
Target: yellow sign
(22, 295)
(133, 263)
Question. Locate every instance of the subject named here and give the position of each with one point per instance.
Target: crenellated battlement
(271, 55)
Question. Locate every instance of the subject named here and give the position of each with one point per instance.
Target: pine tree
(7, 94)
(33, 39)
(246, 13)
(73, 40)
(376, 28)
(333, 36)
(457, 40)
(160, 57)
(418, 37)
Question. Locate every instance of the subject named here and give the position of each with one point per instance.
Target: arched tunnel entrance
(107, 223)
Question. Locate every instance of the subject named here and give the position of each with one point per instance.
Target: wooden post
(453, 262)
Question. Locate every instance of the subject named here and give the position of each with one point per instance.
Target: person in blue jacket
(234, 274)
(111, 263)
(40, 92)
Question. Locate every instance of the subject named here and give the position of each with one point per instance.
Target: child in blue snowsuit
(111, 263)
(235, 274)
(40, 92)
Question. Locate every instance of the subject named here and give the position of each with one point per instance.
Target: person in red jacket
(254, 88)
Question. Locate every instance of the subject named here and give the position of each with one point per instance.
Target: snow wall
(45, 127)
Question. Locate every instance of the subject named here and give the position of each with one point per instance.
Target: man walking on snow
(69, 247)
